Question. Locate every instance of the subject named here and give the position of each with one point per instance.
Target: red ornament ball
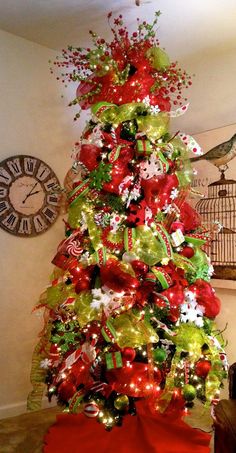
(66, 390)
(157, 375)
(187, 251)
(140, 268)
(128, 354)
(202, 368)
(177, 225)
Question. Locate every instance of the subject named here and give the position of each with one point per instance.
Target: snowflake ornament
(45, 363)
(190, 311)
(174, 193)
(106, 299)
(151, 167)
(154, 109)
(146, 101)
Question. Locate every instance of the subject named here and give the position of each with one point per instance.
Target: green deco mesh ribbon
(38, 374)
(147, 247)
(84, 312)
(132, 331)
(154, 127)
(158, 58)
(119, 114)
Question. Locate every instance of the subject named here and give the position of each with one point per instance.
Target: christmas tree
(129, 310)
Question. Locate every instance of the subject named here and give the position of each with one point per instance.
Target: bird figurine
(221, 154)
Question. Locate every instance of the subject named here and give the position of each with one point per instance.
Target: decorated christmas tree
(129, 312)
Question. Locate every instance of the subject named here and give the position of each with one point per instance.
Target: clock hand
(33, 193)
(28, 194)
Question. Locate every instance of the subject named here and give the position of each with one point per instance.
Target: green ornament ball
(121, 402)
(159, 355)
(189, 392)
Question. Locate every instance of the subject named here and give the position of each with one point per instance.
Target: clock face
(29, 204)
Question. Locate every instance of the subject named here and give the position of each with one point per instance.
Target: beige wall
(227, 318)
(226, 290)
(34, 120)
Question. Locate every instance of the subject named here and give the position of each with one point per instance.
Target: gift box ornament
(177, 238)
(144, 147)
(113, 360)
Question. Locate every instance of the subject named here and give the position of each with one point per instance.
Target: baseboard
(12, 410)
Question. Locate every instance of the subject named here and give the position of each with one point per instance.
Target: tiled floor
(24, 433)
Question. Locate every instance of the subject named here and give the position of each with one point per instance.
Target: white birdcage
(220, 206)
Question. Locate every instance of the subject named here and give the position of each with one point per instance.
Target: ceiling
(201, 34)
(56, 23)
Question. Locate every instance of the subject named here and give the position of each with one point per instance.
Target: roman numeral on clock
(49, 213)
(10, 221)
(29, 165)
(25, 226)
(50, 185)
(43, 172)
(3, 192)
(5, 176)
(4, 206)
(39, 223)
(15, 167)
(52, 199)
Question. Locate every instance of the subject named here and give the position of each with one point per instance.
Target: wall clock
(29, 204)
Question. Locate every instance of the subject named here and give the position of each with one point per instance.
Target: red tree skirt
(140, 434)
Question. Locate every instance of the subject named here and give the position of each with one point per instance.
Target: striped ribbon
(109, 332)
(101, 255)
(79, 191)
(75, 401)
(164, 162)
(129, 238)
(197, 239)
(164, 238)
(162, 276)
(114, 154)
